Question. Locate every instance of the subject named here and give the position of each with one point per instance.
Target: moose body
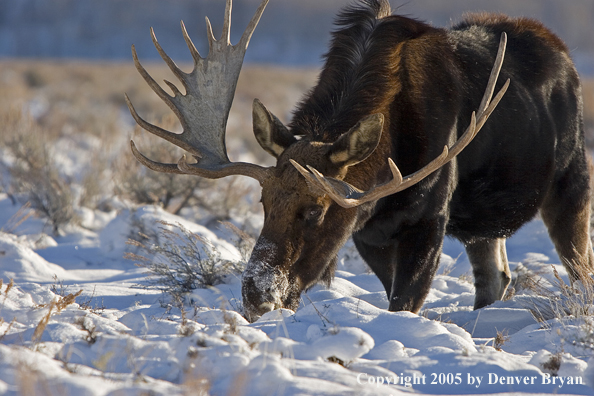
(397, 89)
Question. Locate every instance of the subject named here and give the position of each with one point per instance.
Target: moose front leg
(418, 251)
(490, 268)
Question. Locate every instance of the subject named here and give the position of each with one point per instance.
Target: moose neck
(361, 75)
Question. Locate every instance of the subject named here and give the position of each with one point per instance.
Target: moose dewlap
(398, 96)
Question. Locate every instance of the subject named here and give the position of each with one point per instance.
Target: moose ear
(358, 143)
(270, 132)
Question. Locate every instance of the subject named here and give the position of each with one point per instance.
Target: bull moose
(393, 92)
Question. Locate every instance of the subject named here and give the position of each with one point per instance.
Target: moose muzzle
(264, 286)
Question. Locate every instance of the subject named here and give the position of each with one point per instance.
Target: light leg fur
(491, 270)
(570, 233)
(566, 213)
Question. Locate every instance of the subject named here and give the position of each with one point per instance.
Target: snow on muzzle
(264, 287)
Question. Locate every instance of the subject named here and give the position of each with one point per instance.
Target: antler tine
(348, 196)
(158, 131)
(308, 176)
(229, 169)
(247, 34)
(149, 80)
(226, 35)
(210, 35)
(204, 108)
(172, 66)
(190, 44)
(485, 115)
(156, 166)
(494, 74)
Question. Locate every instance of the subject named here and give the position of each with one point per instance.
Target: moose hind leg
(566, 213)
(488, 258)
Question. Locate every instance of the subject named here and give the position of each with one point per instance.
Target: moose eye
(313, 214)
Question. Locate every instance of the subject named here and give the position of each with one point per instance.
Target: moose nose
(262, 290)
(256, 302)
(253, 313)
(267, 307)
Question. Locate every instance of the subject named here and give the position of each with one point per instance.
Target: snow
(121, 338)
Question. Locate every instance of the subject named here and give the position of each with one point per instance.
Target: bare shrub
(244, 242)
(21, 215)
(87, 305)
(34, 177)
(553, 364)
(58, 287)
(8, 287)
(219, 200)
(184, 330)
(34, 79)
(526, 280)
(94, 185)
(87, 325)
(227, 199)
(144, 186)
(181, 262)
(51, 196)
(500, 339)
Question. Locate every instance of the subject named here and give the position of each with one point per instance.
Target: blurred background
(290, 33)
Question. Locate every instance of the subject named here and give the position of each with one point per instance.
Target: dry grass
(56, 306)
(527, 281)
(8, 287)
(88, 97)
(564, 301)
(575, 299)
(47, 108)
(67, 98)
(500, 339)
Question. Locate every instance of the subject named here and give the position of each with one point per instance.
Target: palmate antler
(204, 109)
(348, 196)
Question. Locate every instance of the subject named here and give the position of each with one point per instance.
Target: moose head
(317, 191)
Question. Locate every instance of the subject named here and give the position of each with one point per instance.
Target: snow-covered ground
(79, 319)
(118, 338)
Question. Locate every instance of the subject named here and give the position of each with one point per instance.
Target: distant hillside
(291, 32)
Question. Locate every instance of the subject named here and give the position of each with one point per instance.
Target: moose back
(395, 96)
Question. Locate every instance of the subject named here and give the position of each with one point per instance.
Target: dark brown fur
(426, 82)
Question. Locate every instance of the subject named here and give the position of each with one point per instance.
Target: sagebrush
(180, 261)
